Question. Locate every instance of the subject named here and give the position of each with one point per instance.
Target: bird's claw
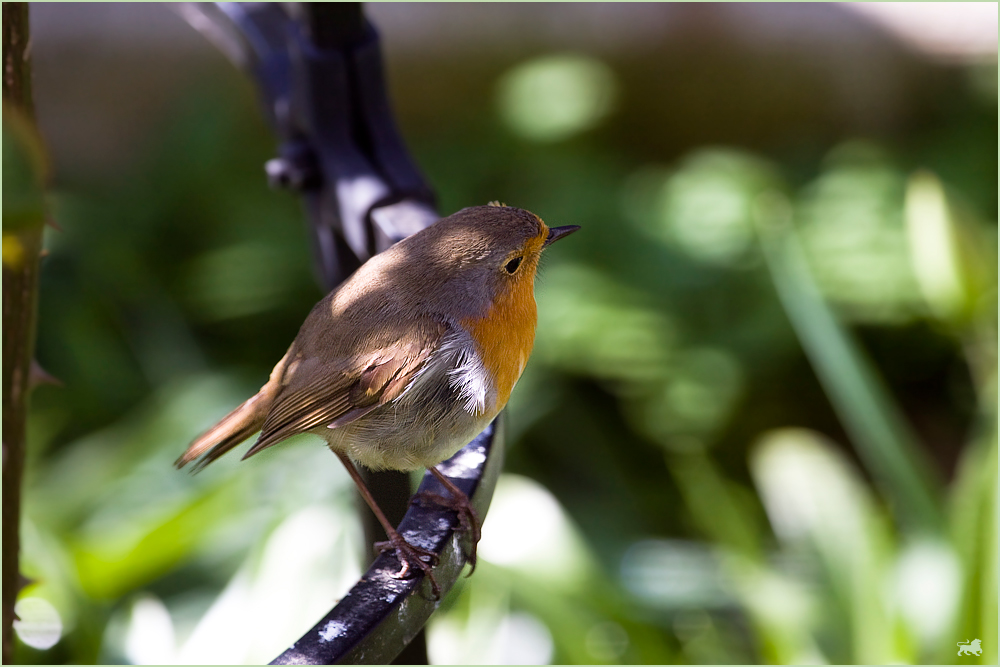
(468, 518)
(410, 556)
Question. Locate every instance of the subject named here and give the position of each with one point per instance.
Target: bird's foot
(468, 518)
(411, 557)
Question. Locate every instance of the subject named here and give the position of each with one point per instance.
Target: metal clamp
(319, 75)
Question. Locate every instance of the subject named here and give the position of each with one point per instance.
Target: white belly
(447, 405)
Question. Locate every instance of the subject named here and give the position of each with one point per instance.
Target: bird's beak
(556, 233)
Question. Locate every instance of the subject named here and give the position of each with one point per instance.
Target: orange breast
(506, 334)
(505, 337)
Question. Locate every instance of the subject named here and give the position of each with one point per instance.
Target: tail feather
(233, 429)
(238, 425)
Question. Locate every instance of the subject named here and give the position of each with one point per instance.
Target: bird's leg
(407, 554)
(459, 503)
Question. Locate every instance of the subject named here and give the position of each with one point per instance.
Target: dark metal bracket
(318, 69)
(319, 75)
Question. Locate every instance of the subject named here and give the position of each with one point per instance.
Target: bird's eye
(511, 266)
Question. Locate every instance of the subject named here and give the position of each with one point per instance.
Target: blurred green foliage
(759, 424)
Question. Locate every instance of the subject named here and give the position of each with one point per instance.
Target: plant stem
(20, 297)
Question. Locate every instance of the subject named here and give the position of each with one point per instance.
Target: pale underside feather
(467, 375)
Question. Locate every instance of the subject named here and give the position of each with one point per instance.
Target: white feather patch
(458, 361)
(467, 375)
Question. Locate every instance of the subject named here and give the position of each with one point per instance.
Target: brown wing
(333, 394)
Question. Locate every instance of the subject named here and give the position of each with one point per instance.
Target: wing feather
(336, 393)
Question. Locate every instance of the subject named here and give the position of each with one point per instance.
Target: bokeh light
(854, 231)
(38, 623)
(529, 530)
(672, 574)
(554, 97)
(704, 206)
(515, 638)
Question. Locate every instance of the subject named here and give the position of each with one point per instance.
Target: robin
(407, 360)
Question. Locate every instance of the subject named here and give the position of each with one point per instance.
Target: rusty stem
(20, 297)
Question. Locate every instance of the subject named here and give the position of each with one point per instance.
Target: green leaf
(875, 424)
(114, 562)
